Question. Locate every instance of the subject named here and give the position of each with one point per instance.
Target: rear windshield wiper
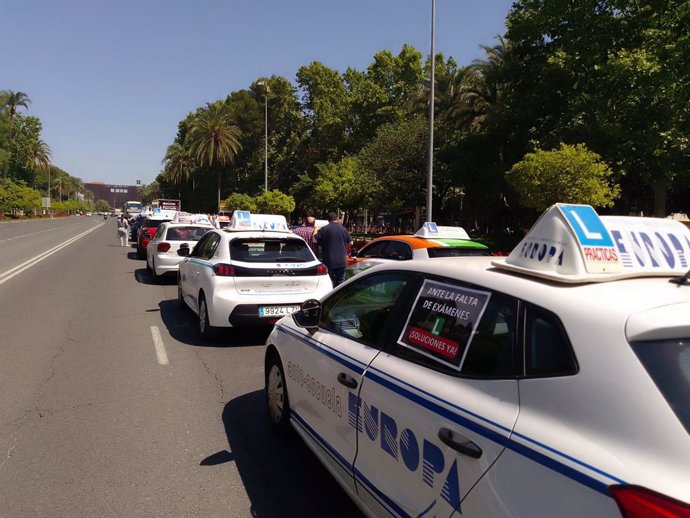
(682, 280)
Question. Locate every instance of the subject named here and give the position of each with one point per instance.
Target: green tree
(101, 206)
(343, 185)
(571, 174)
(240, 201)
(16, 196)
(39, 158)
(214, 139)
(275, 202)
(178, 164)
(13, 101)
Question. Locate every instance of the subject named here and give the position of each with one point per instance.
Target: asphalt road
(91, 424)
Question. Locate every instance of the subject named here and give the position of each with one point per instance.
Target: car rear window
(270, 250)
(186, 233)
(154, 223)
(456, 251)
(668, 364)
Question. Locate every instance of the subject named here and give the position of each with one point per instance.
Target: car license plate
(277, 311)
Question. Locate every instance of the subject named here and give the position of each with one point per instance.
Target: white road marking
(159, 346)
(6, 276)
(26, 235)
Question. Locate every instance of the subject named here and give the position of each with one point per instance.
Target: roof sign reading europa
(245, 220)
(431, 230)
(572, 243)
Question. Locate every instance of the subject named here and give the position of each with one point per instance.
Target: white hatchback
(243, 276)
(161, 252)
(555, 382)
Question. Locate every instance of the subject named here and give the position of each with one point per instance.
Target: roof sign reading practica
(572, 243)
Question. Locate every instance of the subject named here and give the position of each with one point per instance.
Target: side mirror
(183, 251)
(309, 315)
(354, 253)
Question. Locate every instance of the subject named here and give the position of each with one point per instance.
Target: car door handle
(465, 447)
(347, 380)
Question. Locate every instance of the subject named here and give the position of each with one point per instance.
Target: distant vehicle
(161, 252)
(165, 204)
(133, 207)
(146, 232)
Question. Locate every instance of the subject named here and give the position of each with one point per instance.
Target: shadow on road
(181, 323)
(281, 476)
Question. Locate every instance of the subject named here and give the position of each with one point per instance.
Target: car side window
(361, 310)
(493, 350)
(374, 250)
(461, 330)
(159, 232)
(210, 246)
(199, 247)
(399, 251)
(547, 348)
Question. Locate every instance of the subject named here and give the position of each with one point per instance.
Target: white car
(250, 273)
(553, 383)
(161, 252)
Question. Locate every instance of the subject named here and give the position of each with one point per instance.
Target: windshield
(154, 223)
(668, 364)
(270, 250)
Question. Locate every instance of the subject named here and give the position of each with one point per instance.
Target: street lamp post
(430, 177)
(266, 90)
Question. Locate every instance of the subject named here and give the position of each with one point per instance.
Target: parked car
(430, 241)
(148, 227)
(554, 382)
(161, 251)
(249, 274)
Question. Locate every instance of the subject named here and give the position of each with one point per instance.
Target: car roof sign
(244, 220)
(572, 243)
(431, 230)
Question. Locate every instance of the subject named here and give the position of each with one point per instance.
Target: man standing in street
(307, 232)
(334, 240)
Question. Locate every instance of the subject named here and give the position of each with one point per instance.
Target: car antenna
(682, 280)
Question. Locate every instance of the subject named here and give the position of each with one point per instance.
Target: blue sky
(111, 80)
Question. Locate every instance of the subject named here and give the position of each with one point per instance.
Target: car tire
(277, 401)
(207, 331)
(141, 253)
(156, 277)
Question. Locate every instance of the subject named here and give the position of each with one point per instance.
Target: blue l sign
(588, 227)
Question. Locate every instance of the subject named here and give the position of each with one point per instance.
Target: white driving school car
(552, 383)
(250, 273)
(183, 232)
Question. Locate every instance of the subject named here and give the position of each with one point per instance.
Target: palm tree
(13, 100)
(214, 139)
(59, 183)
(39, 158)
(178, 164)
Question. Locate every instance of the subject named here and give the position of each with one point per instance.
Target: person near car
(307, 232)
(335, 241)
(122, 229)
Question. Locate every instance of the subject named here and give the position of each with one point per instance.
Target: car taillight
(321, 270)
(640, 502)
(224, 270)
(163, 247)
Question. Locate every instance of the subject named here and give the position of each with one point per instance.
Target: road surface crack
(61, 350)
(213, 374)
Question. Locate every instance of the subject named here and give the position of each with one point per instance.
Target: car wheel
(180, 295)
(141, 253)
(156, 277)
(207, 331)
(277, 402)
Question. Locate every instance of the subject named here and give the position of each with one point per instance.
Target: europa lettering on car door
(429, 428)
